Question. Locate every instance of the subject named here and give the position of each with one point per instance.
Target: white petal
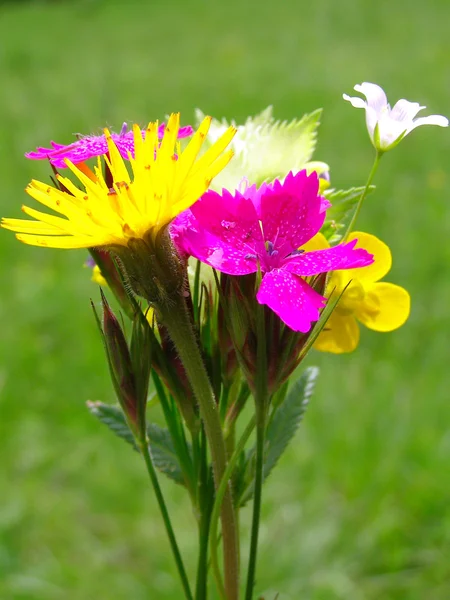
(405, 110)
(376, 98)
(371, 121)
(390, 130)
(431, 120)
(356, 102)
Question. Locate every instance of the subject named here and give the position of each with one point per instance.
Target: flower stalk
(144, 448)
(261, 406)
(376, 162)
(177, 321)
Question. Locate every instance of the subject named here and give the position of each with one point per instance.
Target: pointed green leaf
(343, 204)
(265, 148)
(161, 446)
(114, 418)
(281, 428)
(163, 453)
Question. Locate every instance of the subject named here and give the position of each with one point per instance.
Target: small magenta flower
(262, 228)
(95, 145)
(388, 126)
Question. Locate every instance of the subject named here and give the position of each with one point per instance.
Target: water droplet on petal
(228, 225)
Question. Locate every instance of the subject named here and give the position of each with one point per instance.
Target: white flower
(388, 126)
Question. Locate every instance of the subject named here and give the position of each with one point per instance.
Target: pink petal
(343, 256)
(125, 144)
(79, 151)
(292, 212)
(191, 240)
(232, 219)
(183, 132)
(94, 145)
(293, 300)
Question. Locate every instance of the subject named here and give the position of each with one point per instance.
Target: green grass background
(359, 506)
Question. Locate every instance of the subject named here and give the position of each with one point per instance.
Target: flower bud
(108, 270)
(129, 370)
(284, 346)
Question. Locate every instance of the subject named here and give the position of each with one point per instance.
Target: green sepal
(114, 277)
(343, 205)
(160, 443)
(119, 363)
(141, 359)
(283, 424)
(332, 302)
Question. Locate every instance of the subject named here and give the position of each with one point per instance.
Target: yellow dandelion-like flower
(378, 305)
(163, 183)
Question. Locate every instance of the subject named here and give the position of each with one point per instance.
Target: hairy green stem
(351, 225)
(177, 321)
(166, 518)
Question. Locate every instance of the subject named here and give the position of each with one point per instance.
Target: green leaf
(163, 453)
(113, 417)
(281, 428)
(343, 204)
(265, 148)
(161, 447)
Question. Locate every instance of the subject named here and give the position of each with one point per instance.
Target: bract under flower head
(90, 146)
(163, 184)
(388, 126)
(365, 299)
(262, 229)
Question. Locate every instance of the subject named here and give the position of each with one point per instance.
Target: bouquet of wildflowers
(229, 256)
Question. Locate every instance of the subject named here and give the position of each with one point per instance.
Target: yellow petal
(26, 226)
(97, 276)
(318, 242)
(385, 307)
(381, 253)
(118, 168)
(340, 334)
(163, 185)
(66, 241)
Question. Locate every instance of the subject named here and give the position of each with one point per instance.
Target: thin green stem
(166, 518)
(177, 321)
(201, 590)
(261, 405)
(351, 225)
(205, 505)
(259, 478)
(214, 537)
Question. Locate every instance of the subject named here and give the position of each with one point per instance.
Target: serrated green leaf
(281, 428)
(163, 453)
(265, 148)
(161, 446)
(343, 204)
(114, 418)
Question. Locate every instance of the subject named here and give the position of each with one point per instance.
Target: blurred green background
(359, 508)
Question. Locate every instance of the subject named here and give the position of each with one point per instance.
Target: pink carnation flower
(235, 233)
(93, 145)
